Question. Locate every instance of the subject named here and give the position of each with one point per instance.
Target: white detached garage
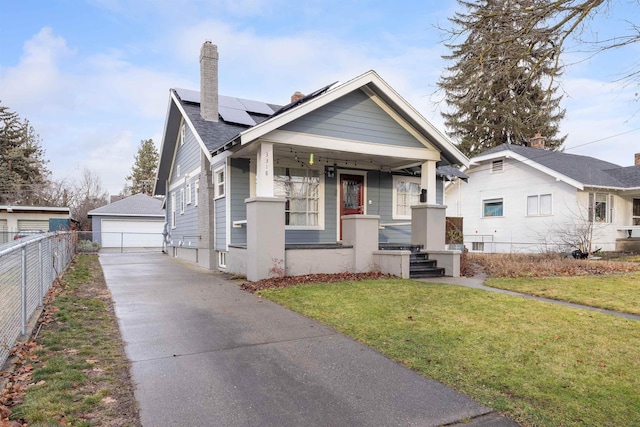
(134, 222)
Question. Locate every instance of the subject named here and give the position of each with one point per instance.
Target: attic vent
(497, 166)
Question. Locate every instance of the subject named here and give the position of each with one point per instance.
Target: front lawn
(539, 363)
(613, 292)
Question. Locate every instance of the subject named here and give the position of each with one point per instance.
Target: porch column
(428, 226)
(265, 237)
(264, 170)
(361, 232)
(428, 180)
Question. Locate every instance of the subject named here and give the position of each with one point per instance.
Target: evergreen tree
(22, 163)
(499, 87)
(143, 172)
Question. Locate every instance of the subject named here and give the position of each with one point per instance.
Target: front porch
(267, 255)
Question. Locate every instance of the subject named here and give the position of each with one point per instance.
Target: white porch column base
(265, 238)
(361, 232)
(428, 226)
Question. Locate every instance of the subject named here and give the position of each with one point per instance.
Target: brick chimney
(297, 96)
(537, 141)
(209, 82)
(637, 159)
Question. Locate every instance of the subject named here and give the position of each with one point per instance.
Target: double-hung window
(539, 205)
(406, 193)
(492, 207)
(301, 189)
(600, 207)
(219, 177)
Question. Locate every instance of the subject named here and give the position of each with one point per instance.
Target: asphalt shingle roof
(138, 204)
(216, 134)
(584, 169)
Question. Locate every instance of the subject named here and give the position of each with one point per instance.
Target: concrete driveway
(205, 353)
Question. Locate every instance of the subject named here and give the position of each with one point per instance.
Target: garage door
(131, 234)
(33, 224)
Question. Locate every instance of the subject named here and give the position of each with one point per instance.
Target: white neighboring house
(526, 199)
(133, 222)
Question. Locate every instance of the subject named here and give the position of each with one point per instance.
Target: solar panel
(256, 106)
(230, 102)
(233, 115)
(188, 95)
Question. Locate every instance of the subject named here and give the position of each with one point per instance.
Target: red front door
(351, 196)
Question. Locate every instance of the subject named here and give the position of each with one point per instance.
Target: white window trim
(490, 199)
(196, 189)
(173, 210)
(182, 201)
(178, 171)
(222, 259)
(538, 202)
(188, 189)
(609, 213)
(320, 225)
(216, 184)
(182, 133)
(394, 198)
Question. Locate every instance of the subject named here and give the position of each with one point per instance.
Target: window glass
(545, 204)
(600, 208)
(301, 189)
(532, 205)
(492, 207)
(219, 182)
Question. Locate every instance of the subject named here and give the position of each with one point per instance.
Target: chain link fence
(28, 268)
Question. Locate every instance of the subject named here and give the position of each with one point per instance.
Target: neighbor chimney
(209, 82)
(297, 96)
(537, 141)
(637, 159)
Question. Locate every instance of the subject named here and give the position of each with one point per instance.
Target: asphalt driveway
(205, 353)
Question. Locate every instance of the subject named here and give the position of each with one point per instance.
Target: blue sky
(93, 76)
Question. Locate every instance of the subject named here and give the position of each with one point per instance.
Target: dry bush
(543, 265)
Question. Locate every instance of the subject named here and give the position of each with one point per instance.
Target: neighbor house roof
(136, 205)
(578, 170)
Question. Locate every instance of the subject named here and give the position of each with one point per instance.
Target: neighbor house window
(477, 246)
(600, 207)
(301, 189)
(492, 207)
(181, 201)
(497, 166)
(406, 193)
(219, 178)
(173, 210)
(539, 205)
(196, 190)
(188, 190)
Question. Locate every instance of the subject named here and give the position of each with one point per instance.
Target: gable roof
(217, 137)
(136, 205)
(574, 169)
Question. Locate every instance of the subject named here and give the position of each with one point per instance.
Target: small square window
(492, 207)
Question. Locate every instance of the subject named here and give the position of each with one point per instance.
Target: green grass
(72, 375)
(613, 292)
(539, 363)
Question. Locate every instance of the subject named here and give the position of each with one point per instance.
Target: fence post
(41, 271)
(23, 304)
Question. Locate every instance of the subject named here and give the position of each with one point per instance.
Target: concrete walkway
(205, 353)
(477, 282)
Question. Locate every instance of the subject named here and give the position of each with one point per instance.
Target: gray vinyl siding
(237, 192)
(188, 157)
(220, 213)
(356, 117)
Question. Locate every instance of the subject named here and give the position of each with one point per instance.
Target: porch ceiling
(288, 154)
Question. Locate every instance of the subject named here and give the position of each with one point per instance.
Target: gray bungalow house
(347, 178)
